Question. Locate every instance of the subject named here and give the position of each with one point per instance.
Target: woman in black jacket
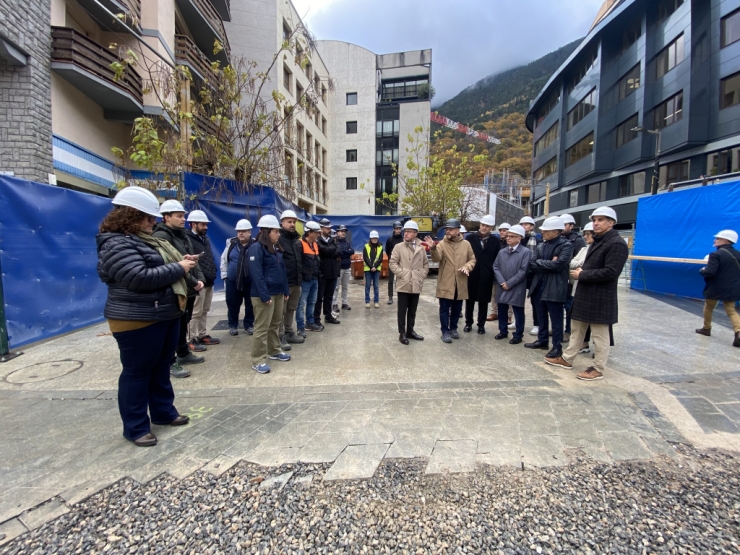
(147, 294)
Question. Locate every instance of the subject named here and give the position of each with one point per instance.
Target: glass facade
(582, 109)
(580, 150)
(668, 112)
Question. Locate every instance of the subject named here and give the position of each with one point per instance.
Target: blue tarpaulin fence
(681, 224)
(48, 254)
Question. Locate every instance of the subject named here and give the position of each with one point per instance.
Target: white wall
(413, 115)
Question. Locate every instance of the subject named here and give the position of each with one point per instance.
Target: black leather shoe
(514, 341)
(402, 339)
(537, 345)
(415, 336)
(468, 329)
(331, 320)
(554, 353)
(180, 420)
(481, 330)
(501, 336)
(148, 440)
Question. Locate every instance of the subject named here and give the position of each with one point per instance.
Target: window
(668, 112)
(323, 94)
(667, 7)
(309, 72)
(580, 150)
(351, 183)
(724, 161)
(547, 139)
(387, 128)
(677, 172)
(386, 157)
(548, 106)
(573, 198)
(669, 57)
(730, 91)
(629, 83)
(730, 29)
(287, 79)
(585, 66)
(596, 192)
(351, 127)
(548, 168)
(407, 88)
(631, 34)
(632, 184)
(352, 155)
(624, 131)
(299, 94)
(582, 109)
(351, 99)
(286, 31)
(386, 185)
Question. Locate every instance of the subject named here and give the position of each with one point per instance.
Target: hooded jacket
(267, 271)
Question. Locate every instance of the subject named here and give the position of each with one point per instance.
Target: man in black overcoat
(480, 282)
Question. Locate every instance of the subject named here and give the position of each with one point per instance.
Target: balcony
(223, 7)
(86, 65)
(206, 26)
(99, 10)
(187, 54)
(205, 125)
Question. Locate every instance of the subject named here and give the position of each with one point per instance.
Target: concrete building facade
(671, 67)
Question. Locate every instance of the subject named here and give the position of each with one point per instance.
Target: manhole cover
(44, 371)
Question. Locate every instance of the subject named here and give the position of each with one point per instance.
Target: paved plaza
(353, 396)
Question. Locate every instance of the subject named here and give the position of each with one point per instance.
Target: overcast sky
(470, 39)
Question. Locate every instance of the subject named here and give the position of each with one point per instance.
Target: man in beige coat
(410, 266)
(456, 261)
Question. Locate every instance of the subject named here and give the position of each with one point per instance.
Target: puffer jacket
(290, 242)
(139, 282)
(410, 265)
(178, 239)
(202, 245)
(267, 272)
(550, 272)
(453, 254)
(309, 260)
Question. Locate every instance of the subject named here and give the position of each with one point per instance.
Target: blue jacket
(267, 272)
(345, 252)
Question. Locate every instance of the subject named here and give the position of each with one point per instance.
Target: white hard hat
(374, 235)
(588, 227)
(568, 219)
(505, 226)
(198, 216)
(312, 226)
(462, 229)
(288, 214)
(411, 224)
(171, 206)
(488, 220)
(519, 230)
(526, 220)
(268, 222)
(552, 224)
(139, 198)
(243, 225)
(604, 211)
(727, 234)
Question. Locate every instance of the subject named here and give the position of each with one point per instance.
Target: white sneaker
(512, 326)
(534, 331)
(584, 350)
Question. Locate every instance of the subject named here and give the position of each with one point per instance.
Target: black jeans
(145, 380)
(482, 313)
(182, 341)
(503, 326)
(555, 312)
(234, 298)
(391, 278)
(407, 305)
(324, 297)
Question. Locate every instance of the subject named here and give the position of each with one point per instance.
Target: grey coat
(511, 268)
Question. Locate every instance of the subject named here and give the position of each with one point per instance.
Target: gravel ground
(685, 506)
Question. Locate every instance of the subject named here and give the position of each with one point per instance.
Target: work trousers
(324, 296)
(182, 341)
(391, 280)
(449, 314)
(344, 276)
(234, 299)
(470, 311)
(289, 309)
(266, 341)
(144, 382)
(503, 325)
(198, 328)
(304, 314)
(709, 306)
(407, 305)
(372, 278)
(494, 304)
(600, 337)
(553, 311)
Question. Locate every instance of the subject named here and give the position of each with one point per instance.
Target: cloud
(470, 39)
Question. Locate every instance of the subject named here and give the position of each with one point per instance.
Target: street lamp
(656, 167)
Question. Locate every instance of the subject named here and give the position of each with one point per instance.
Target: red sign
(447, 122)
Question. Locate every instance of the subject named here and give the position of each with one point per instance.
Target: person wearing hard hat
(396, 238)
(410, 264)
(501, 235)
(172, 230)
(198, 328)
(578, 243)
(456, 261)
(235, 273)
(577, 262)
(510, 269)
(147, 294)
(480, 283)
(269, 292)
(310, 276)
(290, 243)
(722, 277)
(329, 262)
(372, 255)
(595, 303)
(345, 269)
(531, 240)
(549, 289)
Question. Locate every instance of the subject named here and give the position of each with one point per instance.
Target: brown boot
(704, 331)
(736, 343)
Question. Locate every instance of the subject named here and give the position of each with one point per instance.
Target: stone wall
(25, 91)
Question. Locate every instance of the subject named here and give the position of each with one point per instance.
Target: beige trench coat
(410, 266)
(451, 255)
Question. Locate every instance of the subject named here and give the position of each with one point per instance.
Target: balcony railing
(206, 25)
(205, 125)
(72, 48)
(101, 11)
(188, 54)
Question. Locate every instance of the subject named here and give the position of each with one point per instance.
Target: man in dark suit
(480, 283)
(595, 301)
